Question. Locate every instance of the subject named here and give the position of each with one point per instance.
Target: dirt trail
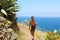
(27, 35)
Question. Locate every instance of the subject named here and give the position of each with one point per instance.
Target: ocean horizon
(43, 23)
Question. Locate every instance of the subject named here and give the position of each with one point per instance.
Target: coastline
(24, 34)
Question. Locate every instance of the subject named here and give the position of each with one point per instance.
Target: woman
(33, 26)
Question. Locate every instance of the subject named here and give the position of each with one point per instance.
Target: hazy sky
(42, 8)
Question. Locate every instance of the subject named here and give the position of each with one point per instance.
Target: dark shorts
(32, 28)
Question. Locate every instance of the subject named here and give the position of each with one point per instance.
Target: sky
(39, 8)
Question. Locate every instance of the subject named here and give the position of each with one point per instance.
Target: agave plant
(11, 7)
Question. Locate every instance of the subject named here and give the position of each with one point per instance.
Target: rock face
(6, 33)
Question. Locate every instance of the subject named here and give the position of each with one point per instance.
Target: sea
(43, 23)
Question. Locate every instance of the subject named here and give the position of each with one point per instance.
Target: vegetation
(11, 7)
(52, 36)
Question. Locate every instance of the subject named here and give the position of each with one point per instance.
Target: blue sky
(42, 8)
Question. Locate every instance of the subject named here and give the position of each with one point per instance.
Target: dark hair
(32, 16)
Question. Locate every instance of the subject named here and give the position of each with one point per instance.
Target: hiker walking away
(32, 24)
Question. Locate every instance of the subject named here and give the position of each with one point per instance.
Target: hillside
(26, 35)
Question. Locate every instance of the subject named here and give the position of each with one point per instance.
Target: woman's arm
(29, 24)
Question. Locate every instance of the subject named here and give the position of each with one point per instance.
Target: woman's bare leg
(32, 32)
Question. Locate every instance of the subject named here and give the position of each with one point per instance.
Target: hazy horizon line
(37, 16)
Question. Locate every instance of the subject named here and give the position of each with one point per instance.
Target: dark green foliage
(11, 7)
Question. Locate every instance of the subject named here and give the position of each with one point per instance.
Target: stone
(5, 31)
